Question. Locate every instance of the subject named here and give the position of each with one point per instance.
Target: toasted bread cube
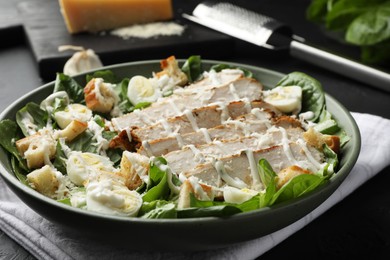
(184, 195)
(171, 68)
(288, 173)
(37, 149)
(99, 96)
(23, 144)
(316, 139)
(44, 181)
(202, 192)
(72, 130)
(133, 165)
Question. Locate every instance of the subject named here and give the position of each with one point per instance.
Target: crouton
(44, 181)
(72, 130)
(99, 96)
(171, 68)
(317, 140)
(37, 149)
(133, 166)
(288, 173)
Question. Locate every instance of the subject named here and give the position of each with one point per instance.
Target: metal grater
(258, 29)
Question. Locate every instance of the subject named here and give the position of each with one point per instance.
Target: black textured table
(358, 226)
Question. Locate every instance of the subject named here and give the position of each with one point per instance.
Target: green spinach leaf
(69, 85)
(106, 75)
(193, 68)
(297, 186)
(313, 96)
(35, 117)
(158, 209)
(370, 28)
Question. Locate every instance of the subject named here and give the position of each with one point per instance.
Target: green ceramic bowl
(181, 234)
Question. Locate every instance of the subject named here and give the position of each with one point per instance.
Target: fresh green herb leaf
(266, 172)
(313, 96)
(296, 187)
(158, 209)
(371, 27)
(158, 187)
(65, 201)
(193, 68)
(10, 134)
(267, 176)
(376, 54)
(35, 116)
(364, 23)
(332, 162)
(60, 159)
(83, 143)
(19, 170)
(343, 12)
(245, 206)
(106, 75)
(317, 11)
(142, 105)
(69, 85)
(327, 127)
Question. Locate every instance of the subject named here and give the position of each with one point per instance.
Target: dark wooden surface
(359, 226)
(45, 31)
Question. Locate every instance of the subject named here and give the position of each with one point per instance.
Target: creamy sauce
(192, 120)
(225, 114)
(179, 139)
(254, 172)
(234, 182)
(316, 165)
(148, 149)
(198, 188)
(174, 107)
(286, 147)
(258, 113)
(166, 126)
(28, 122)
(206, 135)
(233, 91)
(198, 155)
(101, 143)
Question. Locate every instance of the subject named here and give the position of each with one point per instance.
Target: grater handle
(343, 66)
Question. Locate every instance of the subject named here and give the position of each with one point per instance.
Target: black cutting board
(11, 30)
(45, 31)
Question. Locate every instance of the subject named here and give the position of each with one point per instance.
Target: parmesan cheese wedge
(98, 15)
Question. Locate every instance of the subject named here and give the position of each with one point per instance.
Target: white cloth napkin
(45, 240)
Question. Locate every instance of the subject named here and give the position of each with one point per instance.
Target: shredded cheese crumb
(149, 30)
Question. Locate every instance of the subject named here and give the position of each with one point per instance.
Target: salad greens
(365, 23)
(159, 197)
(313, 98)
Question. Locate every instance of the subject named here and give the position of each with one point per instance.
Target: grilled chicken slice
(243, 126)
(191, 121)
(240, 170)
(188, 99)
(190, 156)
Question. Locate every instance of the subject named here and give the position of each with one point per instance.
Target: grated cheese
(149, 30)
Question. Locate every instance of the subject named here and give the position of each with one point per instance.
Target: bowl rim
(345, 169)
